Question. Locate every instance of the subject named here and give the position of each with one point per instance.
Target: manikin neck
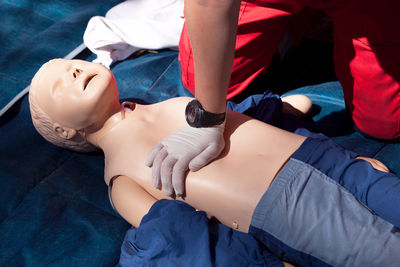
(96, 136)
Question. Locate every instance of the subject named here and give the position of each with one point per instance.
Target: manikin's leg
(378, 165)
(366, 179)
(346, 206)
(298, 105)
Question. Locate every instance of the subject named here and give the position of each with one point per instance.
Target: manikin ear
(64, 132)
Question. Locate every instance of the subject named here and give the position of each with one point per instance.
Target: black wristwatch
(197, 117)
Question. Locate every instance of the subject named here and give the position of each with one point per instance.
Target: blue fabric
(265, 107)
(150, 78)
(192, 240)
(380, 191)
(54, 209)
(32, 32)
(308, 219)
(331, 118)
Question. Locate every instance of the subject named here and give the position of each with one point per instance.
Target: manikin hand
(376, 164)
(188, 148)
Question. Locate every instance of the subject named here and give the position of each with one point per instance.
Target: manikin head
(71, 98)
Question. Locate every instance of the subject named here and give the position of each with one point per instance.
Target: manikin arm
(133, 202)
(130, 200)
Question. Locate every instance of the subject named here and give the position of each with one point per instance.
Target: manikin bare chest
(229, 188)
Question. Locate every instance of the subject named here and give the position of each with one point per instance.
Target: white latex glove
(188, 148)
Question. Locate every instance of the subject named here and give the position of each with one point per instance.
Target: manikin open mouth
(87, 81)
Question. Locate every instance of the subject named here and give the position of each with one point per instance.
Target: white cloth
(133, 25)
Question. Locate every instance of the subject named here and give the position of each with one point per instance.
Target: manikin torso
(228, 188)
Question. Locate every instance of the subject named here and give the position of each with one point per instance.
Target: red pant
(366, 54)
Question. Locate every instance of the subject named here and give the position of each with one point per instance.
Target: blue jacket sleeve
(175, 234)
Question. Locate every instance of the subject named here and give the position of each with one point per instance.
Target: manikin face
(76, 93)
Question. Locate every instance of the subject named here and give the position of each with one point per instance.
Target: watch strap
(204, 118)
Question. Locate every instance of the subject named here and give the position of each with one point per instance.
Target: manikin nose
(76, 72)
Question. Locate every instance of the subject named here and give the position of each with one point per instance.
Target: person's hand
(188, 148)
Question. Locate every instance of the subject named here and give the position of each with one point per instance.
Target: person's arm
(212, 33)
(130, 200)
(212, 29)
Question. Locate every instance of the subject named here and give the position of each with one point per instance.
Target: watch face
(191, 113)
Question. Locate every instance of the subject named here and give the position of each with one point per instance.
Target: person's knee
(382, 128)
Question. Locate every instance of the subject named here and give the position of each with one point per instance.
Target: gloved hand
(189, 147)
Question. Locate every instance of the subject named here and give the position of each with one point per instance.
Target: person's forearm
(212, 29)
